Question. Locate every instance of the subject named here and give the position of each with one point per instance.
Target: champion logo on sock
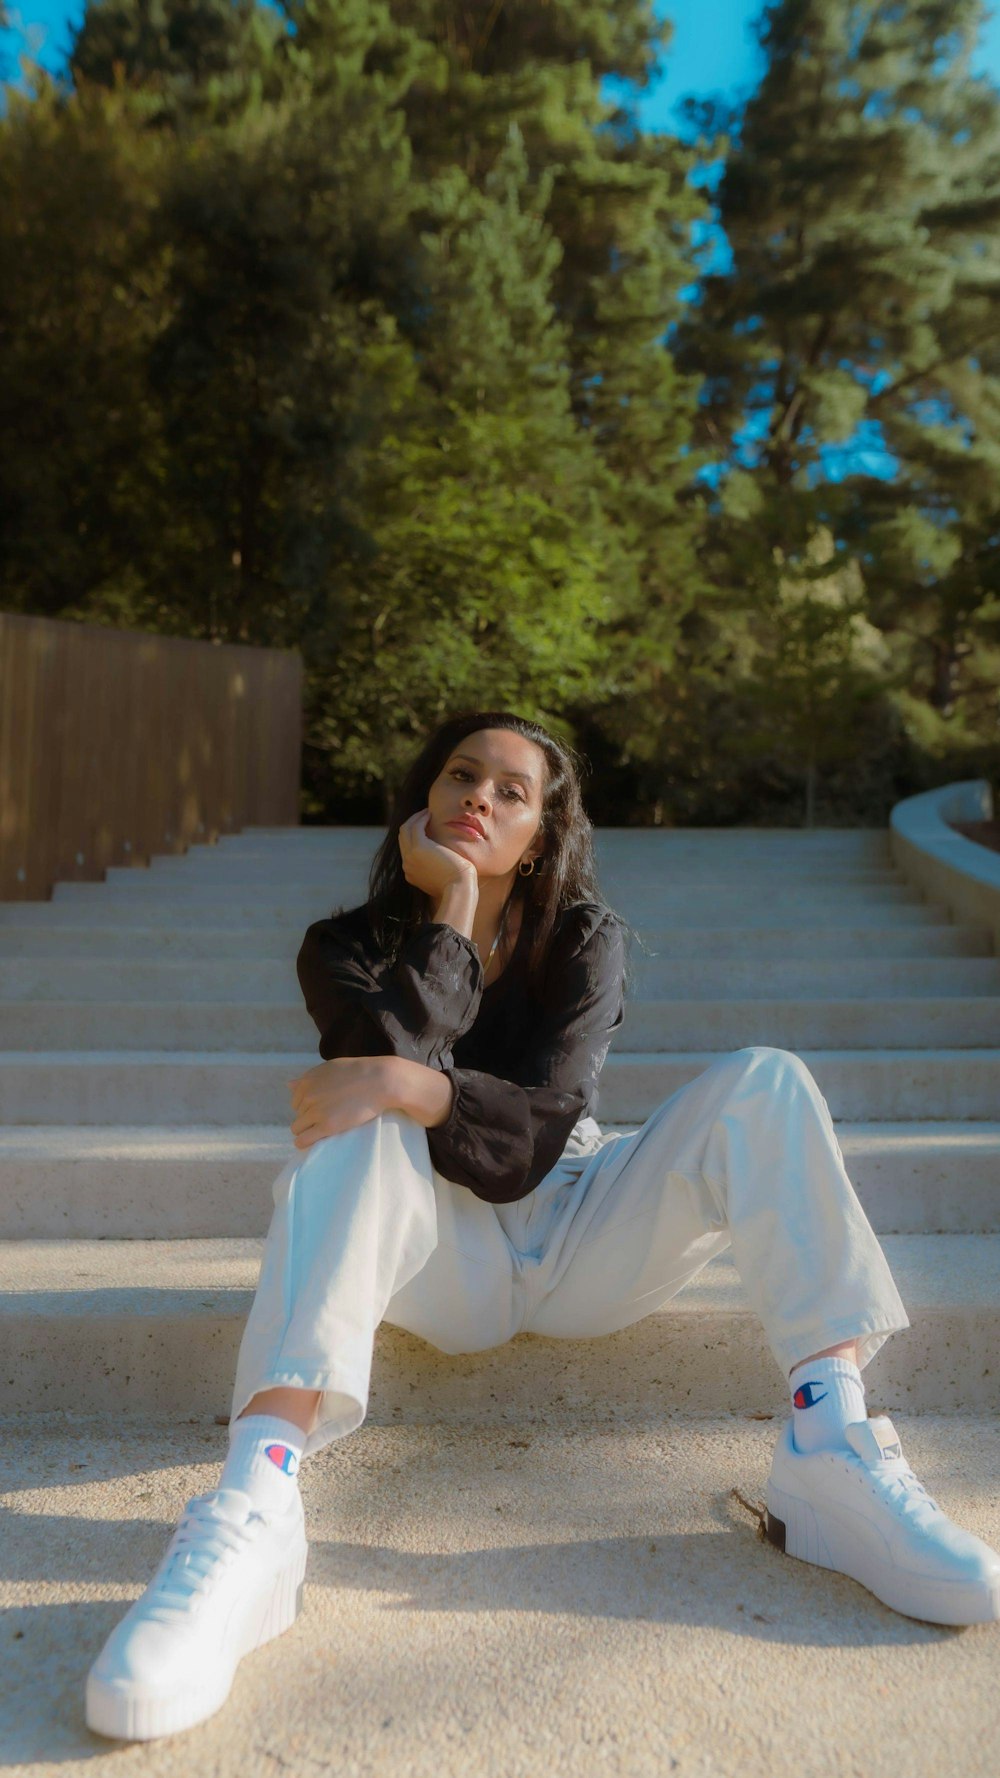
(806, 1395)
(282, 1457)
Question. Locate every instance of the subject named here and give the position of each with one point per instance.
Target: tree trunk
(945, 676)
(811, 791)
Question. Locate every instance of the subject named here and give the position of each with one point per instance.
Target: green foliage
(360, 327)
(857, 197)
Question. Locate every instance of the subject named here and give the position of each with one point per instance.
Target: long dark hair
(565, 874)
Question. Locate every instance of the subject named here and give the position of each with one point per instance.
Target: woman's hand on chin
(338, 1095)
(427, 865)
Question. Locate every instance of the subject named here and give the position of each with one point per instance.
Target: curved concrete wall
(944, 864)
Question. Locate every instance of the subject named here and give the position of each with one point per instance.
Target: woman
(452, 1180)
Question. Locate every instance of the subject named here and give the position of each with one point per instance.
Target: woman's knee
(386, 1153)
(742, 1073)
(359, 1136)
(773, 1061)
(787, 1077)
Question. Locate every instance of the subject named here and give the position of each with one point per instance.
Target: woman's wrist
(456, 905)
(425, 1094)
(374, 1077)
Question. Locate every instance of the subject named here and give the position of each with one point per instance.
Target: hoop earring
(526, 873)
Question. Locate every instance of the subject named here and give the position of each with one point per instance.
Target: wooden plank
(112, 736)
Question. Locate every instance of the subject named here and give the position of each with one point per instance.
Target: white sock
(264, 1456)
(827, 1395)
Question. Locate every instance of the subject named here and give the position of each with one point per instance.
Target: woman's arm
(349, 1090)
(419, 1005)
(504, 1133)
(499, 1135)
(415, 1009)
(383, 1028)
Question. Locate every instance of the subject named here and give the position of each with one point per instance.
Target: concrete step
(919, 1021)
(780, 978)
(111, 908)
(268, 980)
(743, 946)
(863, 845)
(797, 842)
(949, 1021)
(144, 1326)
(130, 1182)
(318, 872)
(636, 901)
(226, 1087)
(545, 1600)
(857, 1084)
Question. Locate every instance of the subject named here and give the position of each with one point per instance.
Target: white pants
(365, 1229)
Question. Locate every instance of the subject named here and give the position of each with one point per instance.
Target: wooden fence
(115, 744)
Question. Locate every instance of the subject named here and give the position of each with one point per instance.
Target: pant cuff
(342, 1406)
(870, 1332)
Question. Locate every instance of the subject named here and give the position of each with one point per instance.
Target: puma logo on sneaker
(282, 1457)
(876, 1439)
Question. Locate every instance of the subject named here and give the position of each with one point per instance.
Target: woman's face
(494, 776)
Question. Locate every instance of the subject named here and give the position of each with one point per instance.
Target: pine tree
(621, 207)
(860, 199)
(181, 55)
(81, 304)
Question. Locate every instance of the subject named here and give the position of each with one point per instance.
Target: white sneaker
(862, 1512)
(230, 1579)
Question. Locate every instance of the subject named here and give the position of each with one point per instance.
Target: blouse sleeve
(504, 1133)
(416, 1008)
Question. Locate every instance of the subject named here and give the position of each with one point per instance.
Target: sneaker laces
(198, 1550)
(901, 1488)
(875, 1447)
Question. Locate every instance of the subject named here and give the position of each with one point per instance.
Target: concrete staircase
(148, 1025)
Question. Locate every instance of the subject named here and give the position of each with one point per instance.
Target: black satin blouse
(524, 1068)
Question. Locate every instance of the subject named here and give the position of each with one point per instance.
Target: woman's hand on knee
(338, 1095)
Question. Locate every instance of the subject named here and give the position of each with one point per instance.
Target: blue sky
(712, 49)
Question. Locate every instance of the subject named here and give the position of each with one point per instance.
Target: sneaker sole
(129, 1712)
(791, 1525)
